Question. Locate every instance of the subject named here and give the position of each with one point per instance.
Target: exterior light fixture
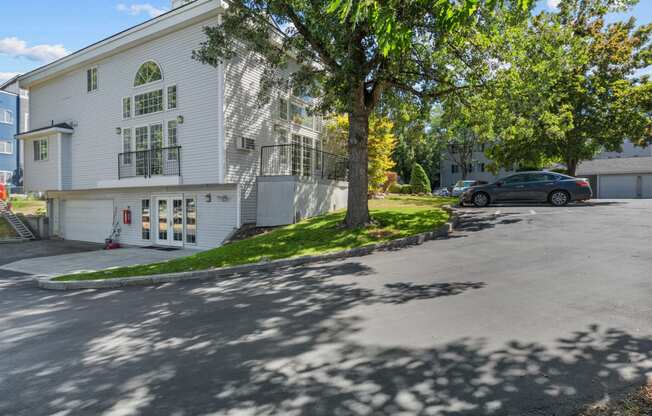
(180, 119)
(208, 197)
(118, 130)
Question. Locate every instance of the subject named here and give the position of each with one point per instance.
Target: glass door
(169, 230)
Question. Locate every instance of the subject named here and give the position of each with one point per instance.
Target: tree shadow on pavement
(281, 344)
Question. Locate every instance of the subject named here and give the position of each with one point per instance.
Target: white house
(131, 133)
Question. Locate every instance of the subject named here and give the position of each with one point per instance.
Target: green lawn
(396, 217)
(27, 206)
(6, 230)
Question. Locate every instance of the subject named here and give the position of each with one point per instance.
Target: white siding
(95, 145)
(216, 220)
(245, 116)
(42, 175)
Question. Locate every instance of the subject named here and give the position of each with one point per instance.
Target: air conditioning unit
(246, 143)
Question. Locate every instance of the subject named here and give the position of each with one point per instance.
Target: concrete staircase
(23, 232)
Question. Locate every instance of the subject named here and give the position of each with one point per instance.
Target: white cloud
(18, 48)
(6, 76)
(136, 9)
(552, 4)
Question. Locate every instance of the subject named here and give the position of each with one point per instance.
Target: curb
(442, 232)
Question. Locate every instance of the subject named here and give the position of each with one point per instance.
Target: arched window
(148, 72)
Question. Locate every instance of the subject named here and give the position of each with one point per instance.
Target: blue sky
(30, 39)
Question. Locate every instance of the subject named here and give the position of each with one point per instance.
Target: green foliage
(395, 217)
(419, 180)
(567, 89)
(381, 143)
(353, 55)
(395, 188)
(406, 189)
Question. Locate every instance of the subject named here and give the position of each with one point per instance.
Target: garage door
(87, 220)
(625, 186)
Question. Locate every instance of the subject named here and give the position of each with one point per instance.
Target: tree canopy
(566, 88)
(351, 54)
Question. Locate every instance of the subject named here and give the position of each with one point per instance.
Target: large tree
(350, 53)
(568, 87)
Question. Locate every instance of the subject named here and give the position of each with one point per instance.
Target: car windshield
(464, 184)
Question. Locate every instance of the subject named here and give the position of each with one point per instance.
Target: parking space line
(533, 212)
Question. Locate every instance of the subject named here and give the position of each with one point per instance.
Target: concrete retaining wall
(284, 200)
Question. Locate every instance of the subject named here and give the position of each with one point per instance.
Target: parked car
(555, 188)
(461, 186)
(442, 192)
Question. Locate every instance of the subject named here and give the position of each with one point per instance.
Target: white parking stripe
(533, 212)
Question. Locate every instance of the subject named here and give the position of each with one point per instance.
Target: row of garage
(619, 178)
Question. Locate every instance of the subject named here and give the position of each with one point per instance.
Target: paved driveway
(55, 257)
(526, 311)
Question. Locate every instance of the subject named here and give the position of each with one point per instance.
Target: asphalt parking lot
(526, 310)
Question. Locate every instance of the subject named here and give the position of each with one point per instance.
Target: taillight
(583, 184)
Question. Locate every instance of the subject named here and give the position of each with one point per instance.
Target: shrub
(395, 188)
(406, 189)
(419, 181)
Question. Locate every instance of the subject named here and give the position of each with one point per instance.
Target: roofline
(9, 82)
(64, 63)
(45, 131)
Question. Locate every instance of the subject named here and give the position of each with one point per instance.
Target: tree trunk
(571, 166)
(357, 214)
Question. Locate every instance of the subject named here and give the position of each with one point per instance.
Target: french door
(169, 229)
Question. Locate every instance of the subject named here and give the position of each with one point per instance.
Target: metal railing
(300, 160)
(165, 161)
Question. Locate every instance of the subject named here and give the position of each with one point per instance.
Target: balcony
(302, 161)
(164, 161)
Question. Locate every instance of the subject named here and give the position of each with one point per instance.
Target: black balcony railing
(164, 161)
(299, 160)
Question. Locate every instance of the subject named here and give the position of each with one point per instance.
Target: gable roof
(615, 166)
(168, 22)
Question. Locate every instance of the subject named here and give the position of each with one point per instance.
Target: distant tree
(567, 87)
(419, 180)
(350, 54)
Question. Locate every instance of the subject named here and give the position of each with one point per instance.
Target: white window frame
(90, 87)
(290, 99)
(47, 154)
(130, 99)
(142, 229)
(163, 102)
(185, 219)
(131, 145)
(167, 97)
(4, 145)
(152, 82)
(7, 117)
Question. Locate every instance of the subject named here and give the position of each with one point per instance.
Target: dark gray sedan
(555, 188)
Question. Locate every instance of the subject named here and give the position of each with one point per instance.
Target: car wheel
(480, 199)
(559, 198)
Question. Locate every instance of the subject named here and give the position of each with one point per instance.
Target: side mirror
(499, 184)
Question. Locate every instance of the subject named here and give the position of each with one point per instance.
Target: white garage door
(625, 186)
(87, 220)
